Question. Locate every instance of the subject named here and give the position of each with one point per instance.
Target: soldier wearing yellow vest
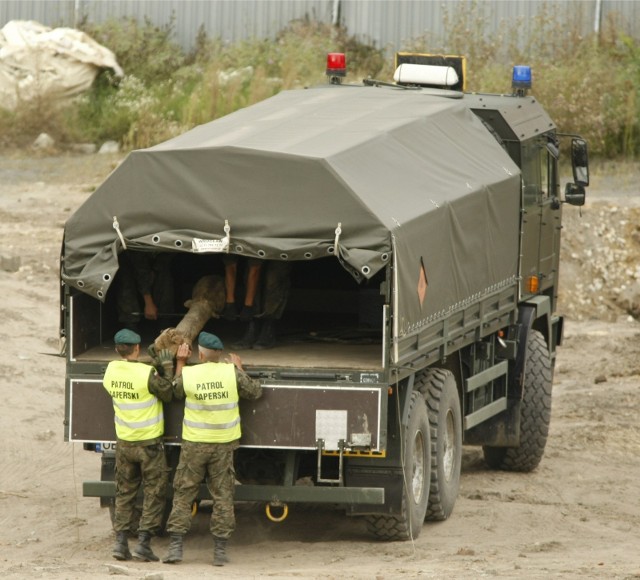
(137, 391)
(210, 434)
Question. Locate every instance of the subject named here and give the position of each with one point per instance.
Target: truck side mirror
(580, 162)
(574, 194)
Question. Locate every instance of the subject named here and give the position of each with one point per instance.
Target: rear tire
(535, 414)
(445, 417)
(415, 496)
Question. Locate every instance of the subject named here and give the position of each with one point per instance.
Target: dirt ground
(576, 516)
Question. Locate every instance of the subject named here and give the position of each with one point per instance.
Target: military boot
(175, 550)
(142, 552)
(267, 338)
(229, 312)
(121, 547)
(247, 313)
(248, 338)
(220, 552)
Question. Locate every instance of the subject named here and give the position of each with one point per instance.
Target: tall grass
(588, 85)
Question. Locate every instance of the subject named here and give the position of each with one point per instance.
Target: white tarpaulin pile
(36, 60)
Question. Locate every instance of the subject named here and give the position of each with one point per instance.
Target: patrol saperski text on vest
(209, 395)
(123, 394)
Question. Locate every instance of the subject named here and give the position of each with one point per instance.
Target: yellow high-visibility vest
(211, 412)
(138, 413)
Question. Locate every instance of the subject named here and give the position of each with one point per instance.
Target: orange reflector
(533, 283)
(390, 391)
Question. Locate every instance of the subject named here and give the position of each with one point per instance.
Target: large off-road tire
(445, 418)
(535, 414)
(417, 462)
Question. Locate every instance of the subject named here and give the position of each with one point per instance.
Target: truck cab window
(532, 173)
(551, 174)
(545, 172)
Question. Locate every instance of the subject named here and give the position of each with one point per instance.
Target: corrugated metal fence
(391, 24)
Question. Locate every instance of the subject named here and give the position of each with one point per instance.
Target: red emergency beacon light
(336, 66)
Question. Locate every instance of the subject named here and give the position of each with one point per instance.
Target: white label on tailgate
(202, 246)
(331, 426)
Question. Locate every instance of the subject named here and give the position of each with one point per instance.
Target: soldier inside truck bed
(144, 289)
(265, 299)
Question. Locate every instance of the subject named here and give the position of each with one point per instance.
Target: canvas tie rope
(227, 232)
(116, 226)
(337, 238)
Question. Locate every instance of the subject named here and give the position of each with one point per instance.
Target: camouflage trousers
(276, 289)
(135, 465)
(273, 291)
(156, 276)
(213, 463)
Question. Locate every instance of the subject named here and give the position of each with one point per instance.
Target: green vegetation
(589, 85)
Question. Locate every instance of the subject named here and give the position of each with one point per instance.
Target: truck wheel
(415, 497)
(535, 414)
(445, 417)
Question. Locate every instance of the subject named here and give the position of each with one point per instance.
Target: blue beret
(126, 336)
(208, 340)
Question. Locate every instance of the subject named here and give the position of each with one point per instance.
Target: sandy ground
(576, 516)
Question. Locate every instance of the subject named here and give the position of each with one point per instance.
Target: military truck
(422, 227)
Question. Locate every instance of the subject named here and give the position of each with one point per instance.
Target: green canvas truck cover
(402, 175)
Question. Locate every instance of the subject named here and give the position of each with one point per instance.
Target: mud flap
(388, 478)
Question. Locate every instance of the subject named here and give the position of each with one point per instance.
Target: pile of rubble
(600, 262)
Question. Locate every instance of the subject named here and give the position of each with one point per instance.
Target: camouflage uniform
(213, 463)
(142, 462)
(143, 273)
(276, 290)
(273, 293)
(134, 464)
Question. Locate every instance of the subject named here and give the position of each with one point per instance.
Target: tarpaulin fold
(382, 162)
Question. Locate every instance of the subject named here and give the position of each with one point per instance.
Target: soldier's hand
(150, 308)
(184, 352)
(235, 359)
(165, 356)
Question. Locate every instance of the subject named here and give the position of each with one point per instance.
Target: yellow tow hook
(277, 504)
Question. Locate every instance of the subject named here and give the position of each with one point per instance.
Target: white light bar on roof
(426, 74)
